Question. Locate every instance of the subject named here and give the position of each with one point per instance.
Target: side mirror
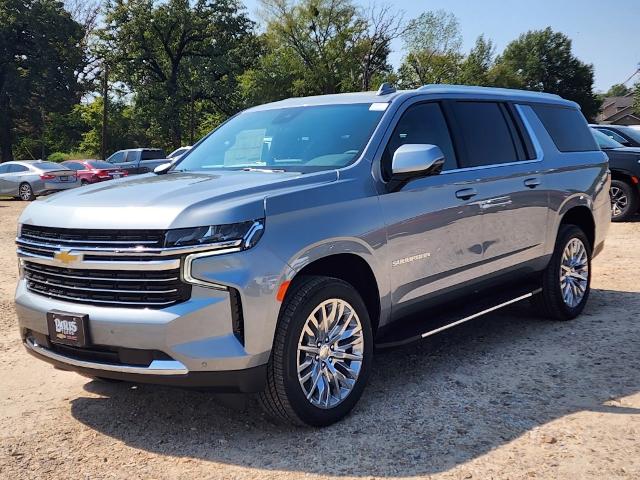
(414, 160)
(160, 169)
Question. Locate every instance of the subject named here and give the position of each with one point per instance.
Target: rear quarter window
(567, 127)
(152, 155)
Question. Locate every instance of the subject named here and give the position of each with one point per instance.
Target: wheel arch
(354, 270)
(582, 217)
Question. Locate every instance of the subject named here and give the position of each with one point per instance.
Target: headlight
(248, 233)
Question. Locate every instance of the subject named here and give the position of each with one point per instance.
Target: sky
(605, 33)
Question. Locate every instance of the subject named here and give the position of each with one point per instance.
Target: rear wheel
(25, 192)
(322, 353)
(566, 282)
(84, 182)
(624, 200)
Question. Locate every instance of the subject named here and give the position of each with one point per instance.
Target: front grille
(68, 237)
(134, 289)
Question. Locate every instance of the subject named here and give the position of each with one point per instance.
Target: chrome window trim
(157, 367)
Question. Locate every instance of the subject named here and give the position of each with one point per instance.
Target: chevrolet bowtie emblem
(67, 257)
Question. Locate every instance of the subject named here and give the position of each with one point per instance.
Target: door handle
(466, 193)
(532, 182)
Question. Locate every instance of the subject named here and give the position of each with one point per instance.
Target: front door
(434, 228)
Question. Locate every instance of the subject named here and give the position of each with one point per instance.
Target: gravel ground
(507, 396)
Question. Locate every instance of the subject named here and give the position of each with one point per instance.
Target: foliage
(542, 60)
(618, 90)
(175, 53)
(40, 54)
(432, 42)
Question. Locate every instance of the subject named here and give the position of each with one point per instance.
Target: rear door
(434, 231)
(499, 154)
(125, 160)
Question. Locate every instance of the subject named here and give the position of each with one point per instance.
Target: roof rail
(495, 90)
(385, 89)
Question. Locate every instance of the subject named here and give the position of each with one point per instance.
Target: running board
(413, 329)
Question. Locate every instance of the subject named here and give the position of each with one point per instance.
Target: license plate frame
(68, 328)
(63, 178)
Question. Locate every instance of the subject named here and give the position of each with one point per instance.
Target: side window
(152, 155)
(421, 123)
(17, 168)
(567, 127)
(614, 135)
(4, 168)
(486, 133)
(116, 157)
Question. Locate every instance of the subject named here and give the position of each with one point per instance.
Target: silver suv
(299, 235)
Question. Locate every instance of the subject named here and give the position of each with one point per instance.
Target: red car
(93, 171)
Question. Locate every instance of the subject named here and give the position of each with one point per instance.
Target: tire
(286, 397)
(551, 302)
(84, 182)
(25, 192)
(624, 200)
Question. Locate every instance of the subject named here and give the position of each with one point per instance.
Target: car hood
(173, 200)
(628, 150)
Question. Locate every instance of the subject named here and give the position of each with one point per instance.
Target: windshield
(301, 139)
(630, 132)
(603, 141)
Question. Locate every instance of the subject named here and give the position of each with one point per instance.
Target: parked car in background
(29, 178)
(300, 233)
(138, 160)
(93, 171)
(179, 152)
(626, 136)
(625, 176)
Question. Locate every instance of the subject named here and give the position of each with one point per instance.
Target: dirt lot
(507, 396)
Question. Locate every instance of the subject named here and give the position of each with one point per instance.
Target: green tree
(176, 53)
(542, 60)
(320, 47)
(40, 55)
(476, 67)
(432, 42)
(618, 90)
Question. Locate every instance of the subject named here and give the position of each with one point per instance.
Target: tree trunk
(6, 151)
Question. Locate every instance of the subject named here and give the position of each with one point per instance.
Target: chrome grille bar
(101, 279)
(92, 289)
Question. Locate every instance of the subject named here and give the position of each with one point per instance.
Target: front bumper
(159, 372)
(196, 336)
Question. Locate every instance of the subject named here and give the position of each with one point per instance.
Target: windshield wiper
(266, 170)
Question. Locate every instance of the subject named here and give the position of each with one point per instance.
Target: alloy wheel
(330, 353)
(574, 272)
(25, 191)
(619, 201)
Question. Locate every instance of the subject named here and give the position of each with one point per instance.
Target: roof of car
(389, 95)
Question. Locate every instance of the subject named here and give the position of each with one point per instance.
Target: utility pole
(105, 101)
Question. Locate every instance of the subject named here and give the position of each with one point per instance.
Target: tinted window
(567, 127)
(152, 154)
(4, 168)
(614, 135)
(423, 123)
(485, 134)
(302, 139)
(17, 168)
(48, 166)
(630, 132)
(116, 157)
(74, 165)
(99, 164)
(604, 141)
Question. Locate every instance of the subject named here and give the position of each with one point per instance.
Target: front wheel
(322, 353)
(566, 282)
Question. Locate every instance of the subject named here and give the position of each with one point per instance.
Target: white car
(179, 152)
